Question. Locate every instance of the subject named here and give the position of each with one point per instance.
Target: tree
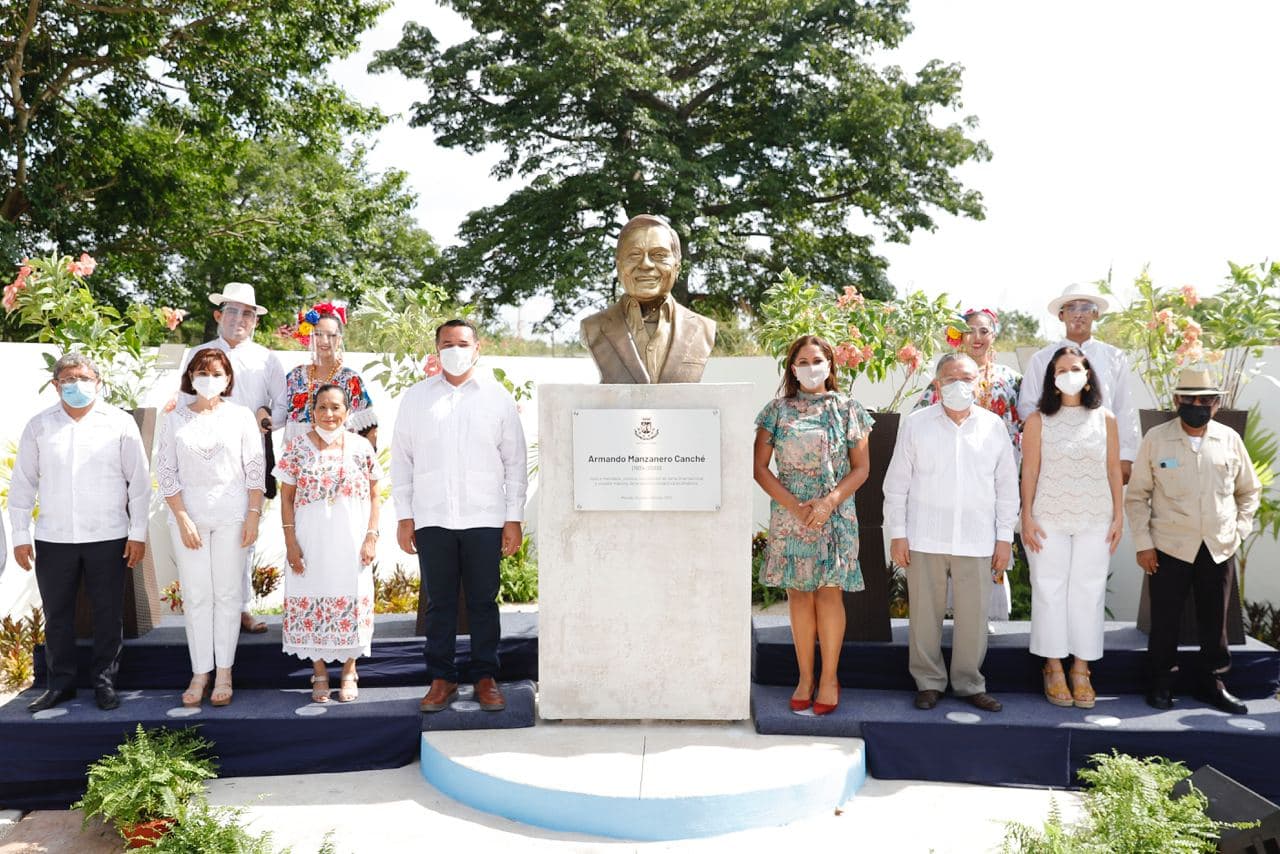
(119, 119)
(1019, 327)
(760, 128)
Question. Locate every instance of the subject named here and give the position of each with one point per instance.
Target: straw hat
(1196, 381)
(1075, 292)
(238, 292)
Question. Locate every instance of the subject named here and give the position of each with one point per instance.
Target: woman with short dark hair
(1072, 521)
(210, 469)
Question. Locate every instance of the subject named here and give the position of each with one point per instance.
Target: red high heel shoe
(801, 705)
(826, 708)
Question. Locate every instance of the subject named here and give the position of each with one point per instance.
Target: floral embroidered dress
(328, 610)
(811, 435)
(299, 386)
(998, 387)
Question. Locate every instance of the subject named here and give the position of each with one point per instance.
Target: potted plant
(887, 341)
(143, 787)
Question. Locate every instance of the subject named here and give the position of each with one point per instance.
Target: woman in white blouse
(210, 468)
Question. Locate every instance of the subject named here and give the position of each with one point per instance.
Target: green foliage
(518, 575)
(1263, 445)
(759, 128)
(18, 637)
(132, 118)
(1241, 319)
(885, 340)
(51, 298)
(397, 594)
(1130, 810)
(761, 594)
(1019, 329)
(202, 829)
(401, 326)
(152, 775)
(1262, 621)
(266, 575)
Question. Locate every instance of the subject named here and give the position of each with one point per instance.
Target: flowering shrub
(893, 341)
(172, 596)
(50, 295)
(1166, 329)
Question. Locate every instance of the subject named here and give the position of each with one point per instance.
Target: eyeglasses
(1079, 308)
(63, 382)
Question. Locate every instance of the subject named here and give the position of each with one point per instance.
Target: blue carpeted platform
(1032, 742)
(159, 659)
(1009, 667)
(263, 732)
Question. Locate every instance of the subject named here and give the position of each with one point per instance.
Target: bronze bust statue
(647, 337)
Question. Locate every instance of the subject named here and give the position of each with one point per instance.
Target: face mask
(957, 395)
(1071, 382)
(209, 387)
(812, 376)
(456, 361)
(1194, 415)
(79, 394)
(329, 436)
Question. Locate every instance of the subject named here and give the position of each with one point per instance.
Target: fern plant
(151, 775)
(202, 829)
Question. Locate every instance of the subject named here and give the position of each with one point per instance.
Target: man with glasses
(1079, 308)
(259, 385)
(84, 461)
(1190, 503)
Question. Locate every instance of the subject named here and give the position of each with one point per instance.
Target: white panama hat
(1077, 292)
(238, 292)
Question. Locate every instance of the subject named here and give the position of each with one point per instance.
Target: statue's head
(648, 257)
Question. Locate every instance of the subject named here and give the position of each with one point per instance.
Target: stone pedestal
(644, 614)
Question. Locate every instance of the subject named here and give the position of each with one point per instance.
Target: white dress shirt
(259, 377)
(1112, 369)
(91, 477)
(212, 459)
(458, 456)
(951, 489)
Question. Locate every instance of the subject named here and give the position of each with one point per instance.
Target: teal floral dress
(811, 435)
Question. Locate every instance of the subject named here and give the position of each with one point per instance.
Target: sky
(1123, 134)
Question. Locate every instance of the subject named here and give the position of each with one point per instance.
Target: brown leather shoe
(983, 701)
(927, 699)
(439, 696)
(489, 696)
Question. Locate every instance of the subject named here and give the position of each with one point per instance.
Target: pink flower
(855, 332)
(1191, 351)
(10, 300)
(911, 357)
(173, 316)
(867, 352)
(1189, 295)
(1162, 318)
(1191, 332)
(84, 267)
(847, 356)
(432, 366)
(850, 297)
(1215, 356)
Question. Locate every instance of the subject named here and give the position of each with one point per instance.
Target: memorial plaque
(646, 459)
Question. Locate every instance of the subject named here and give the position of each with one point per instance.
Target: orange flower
(911, 357)
(850, 297)
(84, 267)
(173, 317)
(954, 336)
(1189, 295)
(1191, 332)
(432, 366)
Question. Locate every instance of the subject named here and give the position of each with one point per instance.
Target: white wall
(23, 369)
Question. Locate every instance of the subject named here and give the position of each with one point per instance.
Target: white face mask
(329, 436)
(957, 395)
(209, 387)
(812, 376)
(1070, 382)
(456, 361)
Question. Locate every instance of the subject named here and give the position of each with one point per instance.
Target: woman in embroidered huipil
(1072, 521)
(819, 437)
(210, 470)
(996, 391)
(329, 509)
(321, 328)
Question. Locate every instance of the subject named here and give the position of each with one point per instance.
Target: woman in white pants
(210, 468)
(1072, 521)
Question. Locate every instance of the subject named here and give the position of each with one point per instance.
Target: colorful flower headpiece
(308, 318)
(956, 330)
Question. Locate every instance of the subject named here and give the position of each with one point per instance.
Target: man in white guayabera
(459, 475)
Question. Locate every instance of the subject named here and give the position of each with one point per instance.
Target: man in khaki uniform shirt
(1190, 502)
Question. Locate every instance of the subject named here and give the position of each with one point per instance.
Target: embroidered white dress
(213, 458)
(328, 610)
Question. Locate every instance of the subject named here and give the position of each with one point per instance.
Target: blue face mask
(79, 394)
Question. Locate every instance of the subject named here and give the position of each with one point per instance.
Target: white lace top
(1072, 493)
(213, 458)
